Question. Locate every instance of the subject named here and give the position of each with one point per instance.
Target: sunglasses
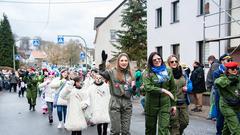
(233, 68)
(174, 62)
(229, 60)
(157, 59)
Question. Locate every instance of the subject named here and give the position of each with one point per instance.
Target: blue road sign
(17, 57)
(82, 55)
(60, 39)
(36, 42)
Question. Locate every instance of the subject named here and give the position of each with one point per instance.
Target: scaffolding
(220, 23)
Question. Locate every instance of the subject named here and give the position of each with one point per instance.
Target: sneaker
(59, 125)
(62, 125)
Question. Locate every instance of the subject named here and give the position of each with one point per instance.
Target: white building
(176, 27)
(106, 33)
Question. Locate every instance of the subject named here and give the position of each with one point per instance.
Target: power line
(57, 2)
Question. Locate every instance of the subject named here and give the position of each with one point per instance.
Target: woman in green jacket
(122, 87)
(229, 89)
(180, 121)
(160, 92)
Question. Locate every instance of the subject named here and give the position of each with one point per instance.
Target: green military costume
(120, 105)
(157, 104)
(179, 121)
(32, 82)
(229, 89)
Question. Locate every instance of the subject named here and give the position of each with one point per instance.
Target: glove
(104, 56)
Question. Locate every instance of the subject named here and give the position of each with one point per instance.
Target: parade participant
(122, 87)
(179, 121)
(210, 86)
(99, 96)
(225, 58)
(58, 84)
(31, 81)
(77, 103)
(160, 96)
(198, 81)
(229, 90)
(22, 87)
(48, 94)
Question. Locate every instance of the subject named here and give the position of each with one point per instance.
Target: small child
(75, 120)
(21, 87)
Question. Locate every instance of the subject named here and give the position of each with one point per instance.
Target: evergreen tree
(6, 43)
(133, 40)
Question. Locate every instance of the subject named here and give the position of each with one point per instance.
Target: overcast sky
(48, 21)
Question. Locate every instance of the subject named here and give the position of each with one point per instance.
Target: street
(16, 119)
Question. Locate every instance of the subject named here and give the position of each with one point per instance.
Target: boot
(30, 107)
(50, 119)
(33, 108)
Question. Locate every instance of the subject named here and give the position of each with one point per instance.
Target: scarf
(177, 73)
(161, 73)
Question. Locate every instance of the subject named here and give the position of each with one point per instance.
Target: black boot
(50, 119)
(30, 107)
(33, 108)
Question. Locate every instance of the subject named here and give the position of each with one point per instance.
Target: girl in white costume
(76, 99)
(99, 99)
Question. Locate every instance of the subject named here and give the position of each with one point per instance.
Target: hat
(63, 70)
(184, 66)
(225, 56)
(51, 73)
(231, 65)
(45, 69)
(32, 68)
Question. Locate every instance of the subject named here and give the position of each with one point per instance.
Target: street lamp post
(13, 50)
(83, 41)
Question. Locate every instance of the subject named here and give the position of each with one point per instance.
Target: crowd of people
(104, 95)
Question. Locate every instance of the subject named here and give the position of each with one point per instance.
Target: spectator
(13, 82)
(210, 85)
(197, 78)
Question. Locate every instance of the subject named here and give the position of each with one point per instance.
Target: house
(106, 29)
(37, 56)
(177, 27)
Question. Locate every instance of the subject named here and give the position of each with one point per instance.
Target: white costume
(99, 96)
(76, 102)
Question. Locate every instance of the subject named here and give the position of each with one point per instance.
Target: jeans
(50, 108)
(220, 118)
(61, 110)
(143, 102)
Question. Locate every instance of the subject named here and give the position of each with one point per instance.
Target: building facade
(106, 34)
(177, 27)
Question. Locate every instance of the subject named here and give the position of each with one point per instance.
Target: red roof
(39, 54)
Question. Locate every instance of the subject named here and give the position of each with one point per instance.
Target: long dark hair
(150, 60)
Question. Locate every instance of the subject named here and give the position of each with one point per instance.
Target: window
(203, 7)
(158, 17)
(175, 50)
(113, 35)
(159, 50)
(203, 53)
(175, 11)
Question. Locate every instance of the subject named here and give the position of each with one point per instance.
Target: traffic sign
(60, 39)
(82, 55)
(36, 42)
(17, 57)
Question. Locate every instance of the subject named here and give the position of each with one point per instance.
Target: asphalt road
(16, 119)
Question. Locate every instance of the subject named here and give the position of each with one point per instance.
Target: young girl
(76, 99)
(49, 94)
(21, 87)
(99, 99)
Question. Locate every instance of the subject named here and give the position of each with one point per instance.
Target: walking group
(104, 96)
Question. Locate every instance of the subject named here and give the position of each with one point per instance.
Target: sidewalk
(203, 114)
